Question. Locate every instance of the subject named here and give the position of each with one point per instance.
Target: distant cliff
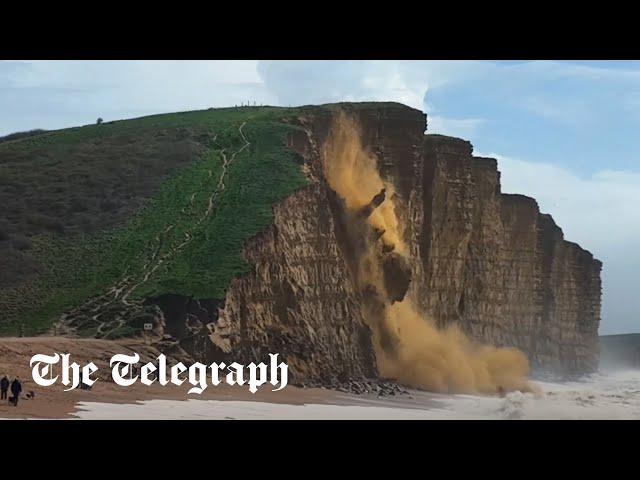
(516, 281)
(620, 351)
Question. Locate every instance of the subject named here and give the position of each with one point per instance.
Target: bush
(21, 243)
(85, 222)
(19, 135)
(108, 205)
(120, 332)
(46, 222)
(4, 231)
(77, 205)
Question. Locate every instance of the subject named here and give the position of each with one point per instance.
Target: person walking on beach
(16, 388)
(4, 386)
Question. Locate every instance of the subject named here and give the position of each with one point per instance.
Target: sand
(54, 403)
(608, 395)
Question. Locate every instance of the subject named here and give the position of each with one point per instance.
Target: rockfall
(489, 262)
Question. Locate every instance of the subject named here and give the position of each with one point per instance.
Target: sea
(606, 395)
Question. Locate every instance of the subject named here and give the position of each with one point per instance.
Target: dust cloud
(409, 347)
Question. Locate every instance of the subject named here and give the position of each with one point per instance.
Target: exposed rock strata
(490, 262)
(502, 270)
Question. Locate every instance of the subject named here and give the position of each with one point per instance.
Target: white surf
(613, 395)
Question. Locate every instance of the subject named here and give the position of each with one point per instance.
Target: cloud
(306, 82)
(600, 213)
(542, 110)
(300, 82)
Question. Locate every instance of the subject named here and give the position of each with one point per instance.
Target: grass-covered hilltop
(134, 209)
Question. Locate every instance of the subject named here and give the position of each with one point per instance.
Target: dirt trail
(123, 289)
(226, 162)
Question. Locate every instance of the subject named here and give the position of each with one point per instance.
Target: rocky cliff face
(501, 269)
(487, 261)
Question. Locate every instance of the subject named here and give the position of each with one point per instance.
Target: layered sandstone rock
(499, 268)
(299, 300)
(487, 261)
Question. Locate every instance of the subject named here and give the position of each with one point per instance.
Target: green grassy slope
(138, 206)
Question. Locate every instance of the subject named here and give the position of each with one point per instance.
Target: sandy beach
(54, 403)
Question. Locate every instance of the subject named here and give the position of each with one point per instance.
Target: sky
(564, 132)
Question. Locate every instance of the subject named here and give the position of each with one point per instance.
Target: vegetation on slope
(19, 135)
(137, 205)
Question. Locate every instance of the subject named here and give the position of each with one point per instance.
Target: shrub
(120, 332)
(85, 221)
(108, 205)
(77, 205)
(46, 222)
(19, 135)
(21, 243)
(4, 230)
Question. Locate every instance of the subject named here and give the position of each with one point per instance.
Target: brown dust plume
(409, 347)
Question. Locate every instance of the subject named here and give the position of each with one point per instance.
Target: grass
(150, 190)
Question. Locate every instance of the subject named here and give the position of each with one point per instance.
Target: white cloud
(307, 82)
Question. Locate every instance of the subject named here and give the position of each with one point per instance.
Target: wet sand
(613, 395)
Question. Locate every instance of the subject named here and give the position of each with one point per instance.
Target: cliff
(236, 255)
(486, 261)
(500, 268)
